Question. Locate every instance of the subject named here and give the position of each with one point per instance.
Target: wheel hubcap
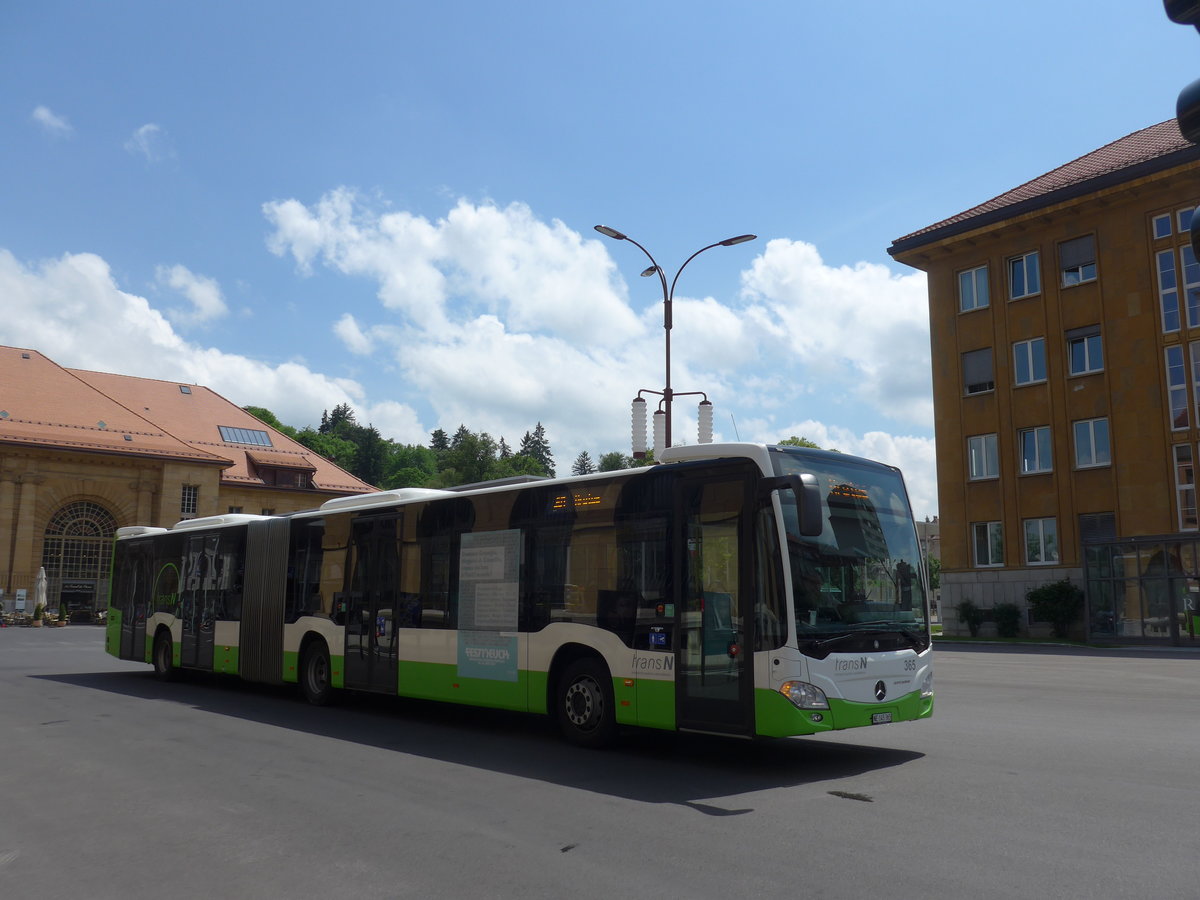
(582, 702)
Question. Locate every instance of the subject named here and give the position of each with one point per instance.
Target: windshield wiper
(870, 628)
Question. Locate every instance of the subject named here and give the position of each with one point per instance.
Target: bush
(971, 616)
(1059, 603)
(1008, 619)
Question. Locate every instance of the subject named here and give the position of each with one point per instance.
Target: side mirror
(808, 500)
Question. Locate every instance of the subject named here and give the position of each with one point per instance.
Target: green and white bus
(736, 589)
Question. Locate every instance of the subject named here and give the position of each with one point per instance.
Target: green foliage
(39, 611)
(535, 445)
(583, 464)
(934, 566)
(971, 616)
(1008, 619)
(794, 441)
(614, 462)
(269, 418)
(1060, 603)
(438, 440)
(337, 450)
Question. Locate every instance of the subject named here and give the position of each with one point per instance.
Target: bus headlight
(927, 685)
(804, 695)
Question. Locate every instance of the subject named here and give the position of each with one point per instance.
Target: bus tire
(315, 671)
(586, 708)
(164, 668)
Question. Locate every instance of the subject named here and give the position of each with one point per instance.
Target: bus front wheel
(585, 704)
(314, 675)
(164, 670)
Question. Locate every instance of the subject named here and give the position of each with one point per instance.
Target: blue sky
(391, 204)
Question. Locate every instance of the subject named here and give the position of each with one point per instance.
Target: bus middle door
(372, 582)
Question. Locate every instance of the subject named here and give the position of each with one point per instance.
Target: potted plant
(39, 612)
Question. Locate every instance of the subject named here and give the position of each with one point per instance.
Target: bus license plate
(880, 718)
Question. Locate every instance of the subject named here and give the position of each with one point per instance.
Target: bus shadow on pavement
(645, 765)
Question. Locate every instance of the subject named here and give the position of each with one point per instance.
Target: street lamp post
(667, 393)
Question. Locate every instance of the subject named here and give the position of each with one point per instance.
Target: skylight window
(245, 436)
(184, 389)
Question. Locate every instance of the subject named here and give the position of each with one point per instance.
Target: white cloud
(52, 123)
(352, 336)
(203, 293)
(536, 277)
(863, 327)
(151, 142)
(72, 309)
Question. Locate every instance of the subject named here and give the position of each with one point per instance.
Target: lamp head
(729, 242)
(650, 270)
(610, 232)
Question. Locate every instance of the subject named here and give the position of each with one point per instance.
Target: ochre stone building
(84, 453)
(1065, 331)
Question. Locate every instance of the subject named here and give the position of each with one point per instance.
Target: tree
(614, 462)
(337, 450)
(438, 440)
(794, 441)
(536, 446)
(335, 422)
(371, 455)
(583, 464)
(505, 451)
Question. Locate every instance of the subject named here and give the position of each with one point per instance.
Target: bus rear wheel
(164, 670)
(585, 708)
(314, 675)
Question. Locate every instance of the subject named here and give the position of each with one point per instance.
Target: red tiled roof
(1143, 146)
(196, 417)
(44, 404)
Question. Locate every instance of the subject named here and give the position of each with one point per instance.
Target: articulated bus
(737, 589)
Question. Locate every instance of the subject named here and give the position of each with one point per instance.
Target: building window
(234, 510)
(988, 538)
(1023, 276)
(1185, 487)
(189, 501)
(1162, 227)
(1177, 388)
(973, 289)
(253, 436)
(1168, 291)
(982, 458)
(1077, 260)
(1084, 351)
(1029, 361)
(1091, 443)
(1184, 217)
(977, 371)
(184, 389)
(1097, 527)
(1041, 541)
(1191, 284)
(1035, 450)
(269, 512)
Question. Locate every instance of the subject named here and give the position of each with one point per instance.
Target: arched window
(76, 554)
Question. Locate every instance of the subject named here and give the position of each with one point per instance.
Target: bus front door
(714, 692)
(372, 582)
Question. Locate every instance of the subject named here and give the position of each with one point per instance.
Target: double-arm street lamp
(667, 394)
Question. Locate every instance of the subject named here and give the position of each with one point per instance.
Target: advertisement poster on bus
(489, 587)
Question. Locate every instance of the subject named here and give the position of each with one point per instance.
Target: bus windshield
(861, 581)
